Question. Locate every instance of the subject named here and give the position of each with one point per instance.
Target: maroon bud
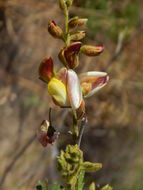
(55, 30)
(46, 69)
(71, 54)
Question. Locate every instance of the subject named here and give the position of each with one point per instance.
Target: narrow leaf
(40, 186)
(80, 182)
(47, 184)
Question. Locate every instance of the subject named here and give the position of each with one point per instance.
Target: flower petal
(42, 137)
(62, 75)
(57, 90)
(46, 134)
(46, 69)
(73, 89)
(93, 81)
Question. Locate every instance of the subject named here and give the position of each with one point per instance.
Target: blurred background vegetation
(115, 115)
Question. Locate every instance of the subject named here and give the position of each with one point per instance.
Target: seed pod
(78, 36)
(76, 21)
(55, 30)
(92, 50)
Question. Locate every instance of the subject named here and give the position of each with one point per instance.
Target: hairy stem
(67, 35)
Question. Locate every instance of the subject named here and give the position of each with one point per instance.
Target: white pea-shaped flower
(92, 81)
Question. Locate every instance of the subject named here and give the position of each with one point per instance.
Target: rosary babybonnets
(68, 90)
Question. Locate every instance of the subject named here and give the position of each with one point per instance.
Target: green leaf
(80, 182)
(40, 186)
(46, 184)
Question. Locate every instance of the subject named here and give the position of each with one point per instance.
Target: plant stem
(82, 127)
(75, 131)
(50, 119)
(67, 35)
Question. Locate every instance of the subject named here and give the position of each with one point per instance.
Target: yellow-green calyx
(77, 36)
(76, 21)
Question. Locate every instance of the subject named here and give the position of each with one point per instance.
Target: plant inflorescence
(69, 90)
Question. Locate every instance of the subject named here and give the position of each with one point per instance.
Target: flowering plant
(68, 90)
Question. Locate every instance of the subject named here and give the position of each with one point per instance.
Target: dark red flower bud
(55, 30)
(46, 69)
(71, 55)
